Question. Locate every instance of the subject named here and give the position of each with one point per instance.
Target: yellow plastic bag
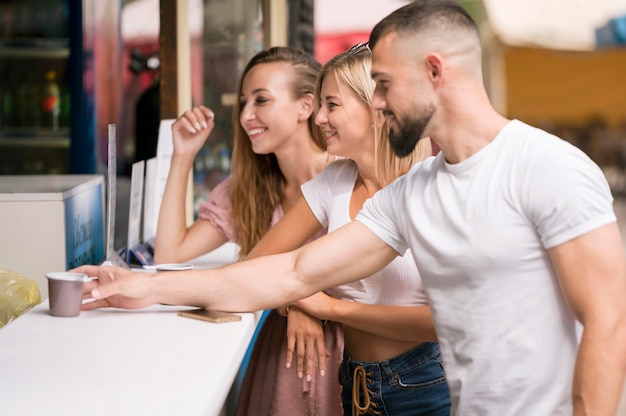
(17, 295)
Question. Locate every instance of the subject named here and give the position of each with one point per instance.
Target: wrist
(183, 160)
(333, 311)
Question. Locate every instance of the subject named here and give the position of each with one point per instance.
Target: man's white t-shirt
(479, 231)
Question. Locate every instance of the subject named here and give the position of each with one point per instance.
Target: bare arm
(173, 241)
(292, 231)
(592, 273)
(399, 323)
(345, 255)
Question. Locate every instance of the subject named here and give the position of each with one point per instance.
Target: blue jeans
(412, 383)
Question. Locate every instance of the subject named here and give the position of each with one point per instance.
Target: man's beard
(410, 131)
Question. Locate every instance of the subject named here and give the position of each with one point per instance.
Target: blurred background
(69, 68)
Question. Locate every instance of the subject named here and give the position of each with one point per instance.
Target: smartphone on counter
(210, 315)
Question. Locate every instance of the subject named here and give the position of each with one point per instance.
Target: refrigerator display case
(46, 101)
(51, 223)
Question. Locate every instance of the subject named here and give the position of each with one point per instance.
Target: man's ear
(434, 65)
(306, 107)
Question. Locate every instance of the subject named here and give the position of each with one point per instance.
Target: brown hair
(352, 69)
(257, 182)
(424, 16)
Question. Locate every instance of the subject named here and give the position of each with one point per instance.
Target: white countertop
(115, 362)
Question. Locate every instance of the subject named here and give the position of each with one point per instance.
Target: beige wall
(565, 87)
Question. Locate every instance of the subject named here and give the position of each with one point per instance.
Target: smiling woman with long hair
(277, 148)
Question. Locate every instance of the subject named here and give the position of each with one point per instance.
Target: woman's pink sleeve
(217, 210)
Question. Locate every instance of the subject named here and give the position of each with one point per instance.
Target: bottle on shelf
(66, 105)
(8, 107)
(2, 120)
(51, 101)
(28, 103)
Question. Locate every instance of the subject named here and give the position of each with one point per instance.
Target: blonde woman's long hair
(257, 182)
(352, 69)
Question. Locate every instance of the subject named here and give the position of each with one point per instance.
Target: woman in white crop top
(391, 362)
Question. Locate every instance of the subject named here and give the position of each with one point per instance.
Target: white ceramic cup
(65, 292)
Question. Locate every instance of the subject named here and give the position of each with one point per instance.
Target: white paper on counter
(165, 148)
(149, 217)
(134, 209)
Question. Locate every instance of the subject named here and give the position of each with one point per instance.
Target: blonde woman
(276, 149)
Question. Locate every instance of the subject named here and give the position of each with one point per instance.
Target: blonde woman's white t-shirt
(328, 195)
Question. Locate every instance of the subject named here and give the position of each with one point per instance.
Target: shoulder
(526, 140)
(219, 196)
(225, 184)
(339, 165)
(535, 153)
(337, 171)
(544, 150)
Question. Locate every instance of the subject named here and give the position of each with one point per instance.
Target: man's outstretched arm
(345, 255)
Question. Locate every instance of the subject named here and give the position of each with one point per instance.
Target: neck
(298, 170)
(467, 126)
(303, 166)
(367, 175)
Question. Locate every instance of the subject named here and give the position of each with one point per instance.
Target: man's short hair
(421, 16)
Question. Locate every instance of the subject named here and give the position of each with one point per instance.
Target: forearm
(172, 227)
(262, 283)
(271, 281)
(600, 369)
(399, 323)
(240, 287)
